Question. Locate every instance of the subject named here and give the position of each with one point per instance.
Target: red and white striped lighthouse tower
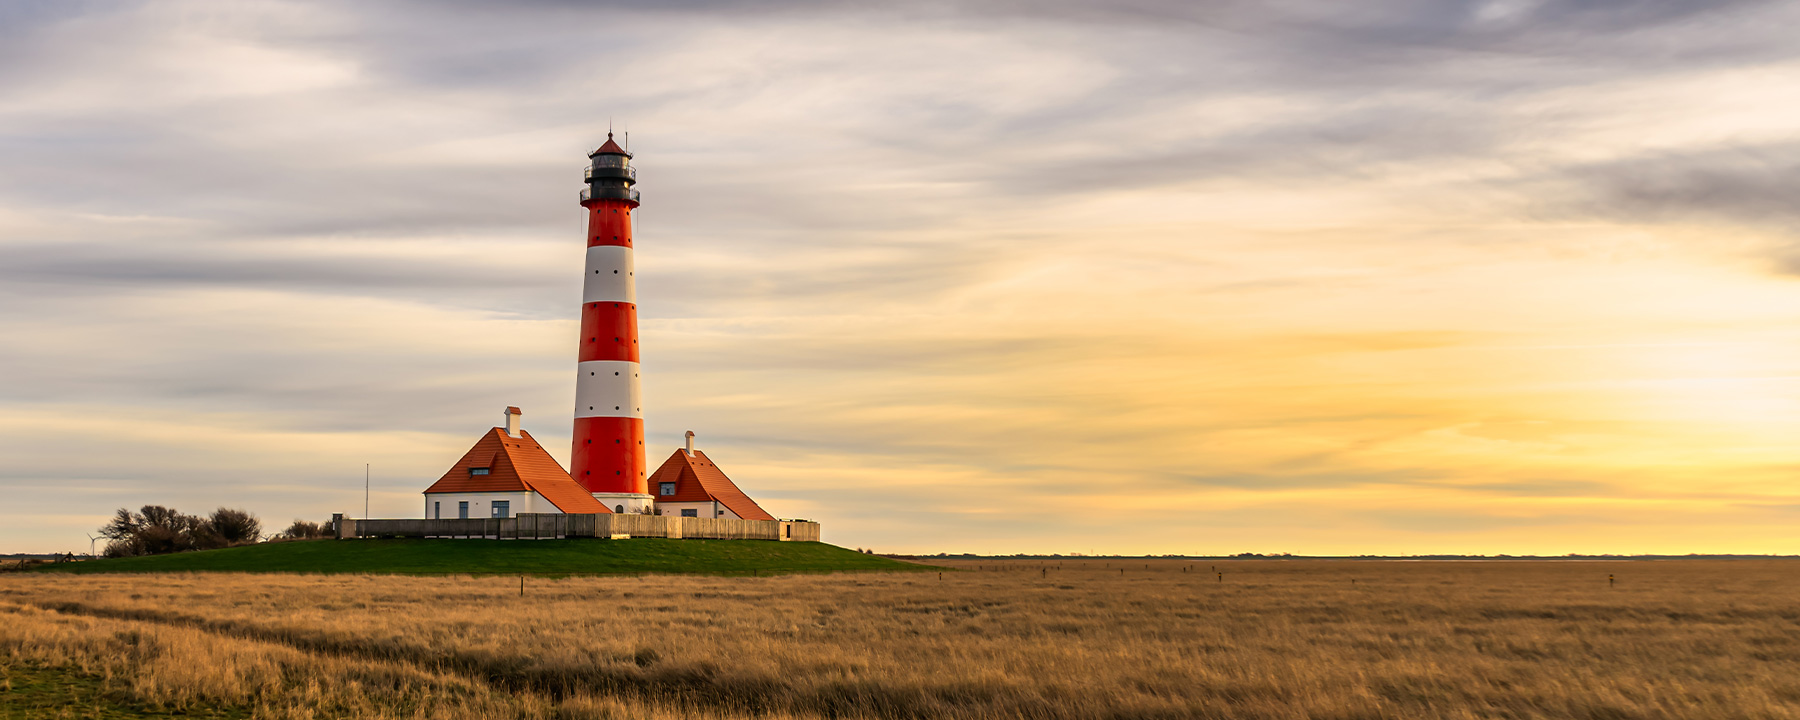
(608, 457)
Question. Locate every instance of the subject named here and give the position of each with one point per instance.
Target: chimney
(512, 421)
(690, 440)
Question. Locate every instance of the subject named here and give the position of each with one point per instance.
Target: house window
(665, 488)
(437, 511)
(502, 507)
(462, 510)
(619, 509)
(478, 471)
(690, 512)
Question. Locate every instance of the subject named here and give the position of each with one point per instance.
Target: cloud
(1291, 269)
(1748, 186)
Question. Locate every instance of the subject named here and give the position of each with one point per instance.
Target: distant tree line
(157, 530)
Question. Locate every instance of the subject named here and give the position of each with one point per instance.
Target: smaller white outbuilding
(689, 485)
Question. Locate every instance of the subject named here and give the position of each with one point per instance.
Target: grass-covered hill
(508, 557)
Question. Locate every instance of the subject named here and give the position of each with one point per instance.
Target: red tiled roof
(516, 464)
(697, 479)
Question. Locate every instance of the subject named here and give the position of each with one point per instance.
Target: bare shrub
(158, 530)
(235, 527)
(304, 530)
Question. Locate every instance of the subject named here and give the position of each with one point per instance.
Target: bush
(303, 530)
(235, 527)
(157, 530)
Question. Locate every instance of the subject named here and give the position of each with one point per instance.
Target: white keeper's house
(507, 473)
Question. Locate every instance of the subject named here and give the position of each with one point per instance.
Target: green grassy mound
(508, 557)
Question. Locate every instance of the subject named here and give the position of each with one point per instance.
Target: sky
(1140, 277)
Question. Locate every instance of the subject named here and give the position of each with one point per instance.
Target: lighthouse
(508, 472)
(608, 454)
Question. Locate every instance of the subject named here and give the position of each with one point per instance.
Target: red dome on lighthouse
(610, 148)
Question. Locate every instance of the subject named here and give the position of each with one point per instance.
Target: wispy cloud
(1215, 277)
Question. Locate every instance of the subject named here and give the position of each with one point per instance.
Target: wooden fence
(552, 526)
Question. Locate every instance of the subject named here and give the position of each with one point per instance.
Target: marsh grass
(34, 691)
(1001, 639)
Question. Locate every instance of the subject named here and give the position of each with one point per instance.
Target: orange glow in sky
(1317, 280)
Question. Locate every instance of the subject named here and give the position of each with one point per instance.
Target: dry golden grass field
(1270, 639)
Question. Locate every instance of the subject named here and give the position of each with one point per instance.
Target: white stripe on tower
(608, 388)
(609, 275)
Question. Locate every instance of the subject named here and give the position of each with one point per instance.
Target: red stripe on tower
(608, 457)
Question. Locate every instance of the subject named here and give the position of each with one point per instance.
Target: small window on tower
(478, 471)
(665, 488)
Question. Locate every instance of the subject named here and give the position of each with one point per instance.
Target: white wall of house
(626, 502)
(481, 505)
(705, 509)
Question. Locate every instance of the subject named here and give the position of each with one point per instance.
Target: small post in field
(521, 586)
(1609, 580)
(1221, 577)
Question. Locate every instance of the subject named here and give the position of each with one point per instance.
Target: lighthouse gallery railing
(610, 194)
(626, 171)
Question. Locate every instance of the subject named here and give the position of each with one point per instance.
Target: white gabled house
(507, 473)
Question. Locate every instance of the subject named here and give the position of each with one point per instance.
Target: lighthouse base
(629, 503)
